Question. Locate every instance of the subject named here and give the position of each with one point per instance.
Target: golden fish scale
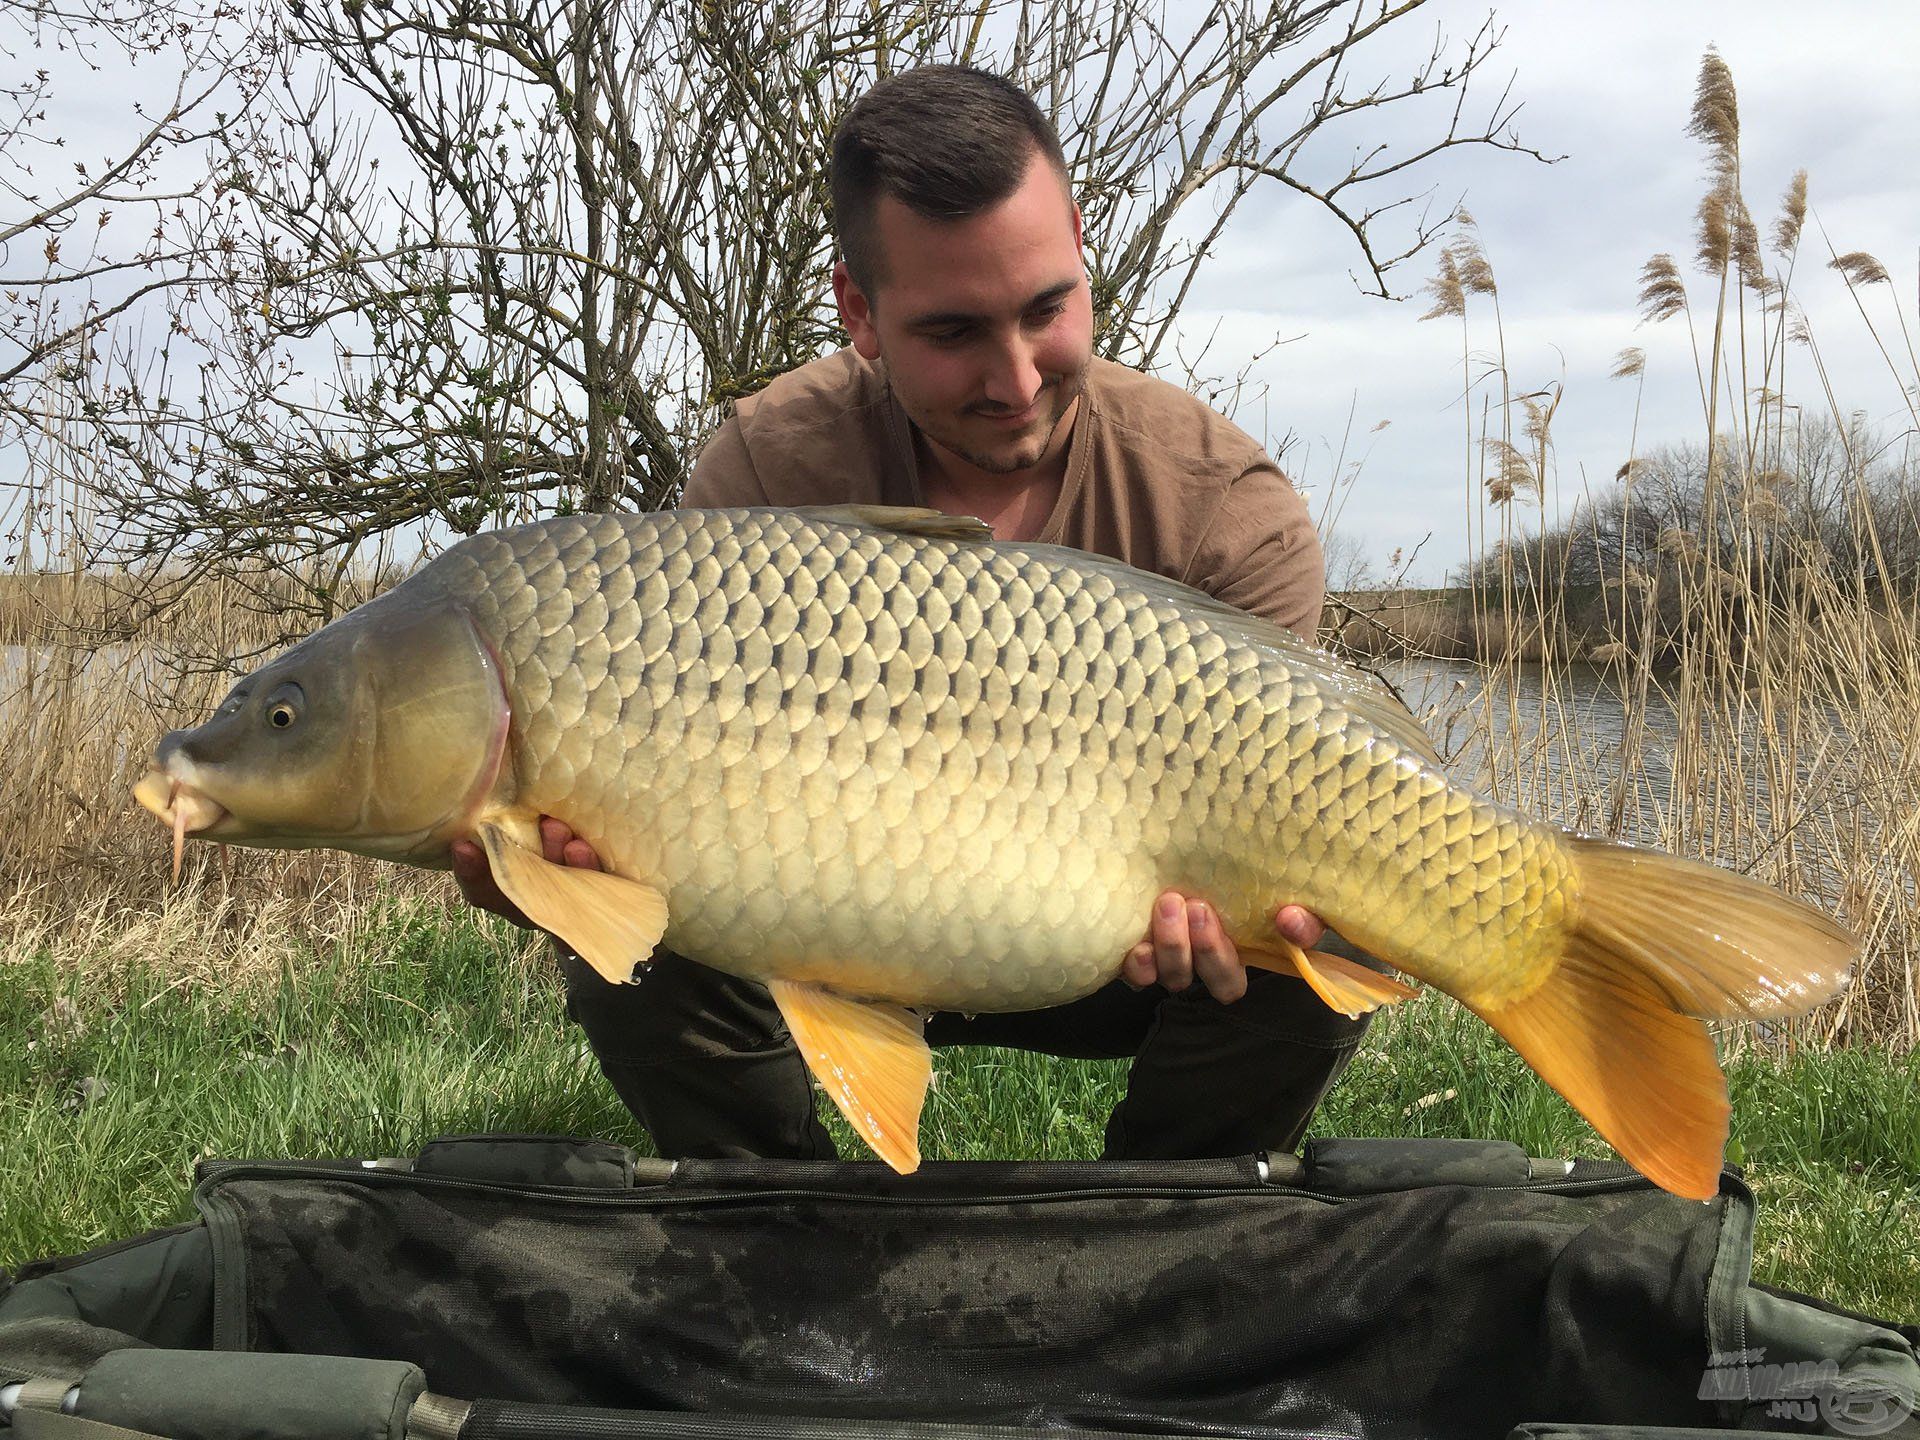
(954, 774)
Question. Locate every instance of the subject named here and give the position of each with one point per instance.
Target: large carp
(877, 760)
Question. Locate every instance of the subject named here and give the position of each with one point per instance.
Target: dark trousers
(703, 1060)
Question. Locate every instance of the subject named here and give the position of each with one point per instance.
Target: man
(970, 387)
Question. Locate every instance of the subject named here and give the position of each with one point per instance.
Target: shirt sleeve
(1259, 551)
(723, 475)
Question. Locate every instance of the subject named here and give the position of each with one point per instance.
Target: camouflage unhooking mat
(502, 1288)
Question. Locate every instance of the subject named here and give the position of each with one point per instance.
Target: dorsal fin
(904, 520)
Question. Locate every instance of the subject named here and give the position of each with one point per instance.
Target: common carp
(881, 762)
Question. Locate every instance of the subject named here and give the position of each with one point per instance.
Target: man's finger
(1172, 947)
(580, 855)
(554, 835)
(561, 846)
(1215, 960)
(467, 858)
(1138, 968)
(471, 874)
(1300, 925)
(477, 885)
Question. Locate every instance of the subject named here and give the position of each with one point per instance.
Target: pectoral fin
(872, 1059)
(612, 922)
(1345, 985)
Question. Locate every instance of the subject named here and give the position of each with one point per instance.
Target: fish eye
(283, 706)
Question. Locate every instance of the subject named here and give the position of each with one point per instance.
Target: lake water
(1524, 725)
(127, 659)
(1801, 800)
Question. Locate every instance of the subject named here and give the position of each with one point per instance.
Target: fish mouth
(180, 807)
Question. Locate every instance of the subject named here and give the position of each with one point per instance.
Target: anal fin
(613, 922)
(1345, 985)
(872, 1060)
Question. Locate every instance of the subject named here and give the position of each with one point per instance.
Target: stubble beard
(1064, 392)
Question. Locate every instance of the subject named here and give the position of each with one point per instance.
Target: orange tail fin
(1659, 945)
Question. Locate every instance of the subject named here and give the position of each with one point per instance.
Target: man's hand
(558, 844)
(1185, 942)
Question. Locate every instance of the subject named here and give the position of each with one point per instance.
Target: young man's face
(985, 324)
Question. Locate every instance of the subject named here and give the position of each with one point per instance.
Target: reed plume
(1764, 509)
(1793, 215)
(1715, 120)
(1746, 250)
(1475, 270)
(1860, 268)
(1513, 473)
(1538, 425)
(1663, 294)
(1677, 543)
(1713, 245)
(1449, 296)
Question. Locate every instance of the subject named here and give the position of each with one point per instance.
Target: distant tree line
(1845, 504)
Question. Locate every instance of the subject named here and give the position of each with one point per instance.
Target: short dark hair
(946, 141)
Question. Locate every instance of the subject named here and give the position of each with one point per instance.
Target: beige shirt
(1154, 478)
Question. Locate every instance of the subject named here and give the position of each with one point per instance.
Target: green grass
(426, 1023)
(430, 1026)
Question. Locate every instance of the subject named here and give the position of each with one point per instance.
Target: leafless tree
(69, 280)
(468, 263)
(1349, 566)
(1845, 502)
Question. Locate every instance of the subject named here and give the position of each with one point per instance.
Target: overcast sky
(1834, 88)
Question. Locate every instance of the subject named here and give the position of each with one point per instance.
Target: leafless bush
(463, 265)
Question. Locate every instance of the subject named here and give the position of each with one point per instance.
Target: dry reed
(90, 678)
(1766, 695)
